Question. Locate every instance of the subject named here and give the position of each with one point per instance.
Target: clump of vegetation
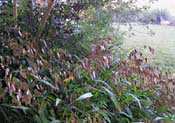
(44, 79)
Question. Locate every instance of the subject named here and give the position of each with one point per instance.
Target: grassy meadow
(159, 37)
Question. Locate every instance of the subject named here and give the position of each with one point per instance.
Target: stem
(45, 18)
(15, 9)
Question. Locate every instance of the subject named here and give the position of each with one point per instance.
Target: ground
(163, 41)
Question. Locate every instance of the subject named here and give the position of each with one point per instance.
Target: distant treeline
(145, 17)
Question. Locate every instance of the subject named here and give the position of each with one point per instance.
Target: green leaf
(105, 116)
(57, 101)
(163, 109)
(43, 110)
(158, 118)
(4, 114)
(21, 107)
(24, 108)
(53, 120)
(137, 100)
(48, 83)
(43, 117)
(103, 82)
(126, 115)
(107, 75)
(128, 99)
(37, 119)
(113, 98)
(45, 82)
(85, 96)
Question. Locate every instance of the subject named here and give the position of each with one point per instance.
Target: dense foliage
(66, 71)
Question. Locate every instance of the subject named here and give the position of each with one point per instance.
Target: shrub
(54, 87)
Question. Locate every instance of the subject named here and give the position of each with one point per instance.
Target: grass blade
(113, 98)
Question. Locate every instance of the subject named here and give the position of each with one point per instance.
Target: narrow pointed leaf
(137, 100)
(57, 102)
(113, 98)
(85, 96)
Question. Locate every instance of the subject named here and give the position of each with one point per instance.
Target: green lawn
(163, 42)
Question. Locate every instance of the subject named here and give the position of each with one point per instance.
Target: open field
(163, 42)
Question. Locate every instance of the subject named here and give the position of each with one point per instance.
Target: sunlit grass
(163, 41)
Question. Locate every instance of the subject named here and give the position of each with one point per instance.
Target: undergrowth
(53, 84)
